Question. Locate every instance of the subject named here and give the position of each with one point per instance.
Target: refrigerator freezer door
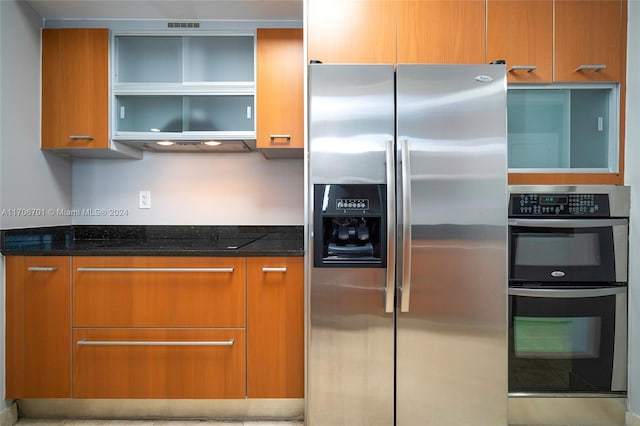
(350, 339)
(451, 333)
(351, 118)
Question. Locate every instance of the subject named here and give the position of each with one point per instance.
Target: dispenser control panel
(559, 205)
(352, 204)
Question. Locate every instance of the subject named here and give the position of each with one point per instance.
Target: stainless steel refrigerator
(407, 245)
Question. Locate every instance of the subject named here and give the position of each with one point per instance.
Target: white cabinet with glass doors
(183, 87)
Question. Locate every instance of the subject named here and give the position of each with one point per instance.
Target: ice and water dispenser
(350, 227)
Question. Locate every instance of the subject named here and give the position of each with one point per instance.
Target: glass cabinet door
(177, 114)
(220, 58)
(176, 59)
(183, 86)
(148, 59)
(563, 128)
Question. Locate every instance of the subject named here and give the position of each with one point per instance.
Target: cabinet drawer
(158, 292)
(158, 363)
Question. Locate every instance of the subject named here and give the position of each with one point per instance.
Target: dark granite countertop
(153, 240)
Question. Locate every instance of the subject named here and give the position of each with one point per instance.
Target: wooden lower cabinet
(38, 327)
(155, 327)
(182, 363)
(275, 327)
(158, 292)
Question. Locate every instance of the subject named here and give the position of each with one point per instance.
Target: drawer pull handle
(78, 137)
(274, 269)
(527, 68)
(89, 269)
(85, 342)
(280, 136)
(594, 68)
(42, 269)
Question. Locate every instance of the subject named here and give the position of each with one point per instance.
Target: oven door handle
(567, 223)
(566, 293)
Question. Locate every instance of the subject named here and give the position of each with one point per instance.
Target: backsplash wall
(189, 189)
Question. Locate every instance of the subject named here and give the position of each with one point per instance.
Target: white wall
(632, 178)
(190, 189)
(29, 178)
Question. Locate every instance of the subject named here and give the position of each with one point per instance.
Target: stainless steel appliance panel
(452, 271)
(350, 122)
(350, 339)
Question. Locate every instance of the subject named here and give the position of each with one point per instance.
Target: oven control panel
(559, 205)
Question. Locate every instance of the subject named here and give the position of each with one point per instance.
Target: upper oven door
(568, 250)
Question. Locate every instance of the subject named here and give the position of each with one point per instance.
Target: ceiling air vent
(183, 24)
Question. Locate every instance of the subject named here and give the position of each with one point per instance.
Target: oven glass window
(577, 254)
(559, 337)
(536, 249)
(562, 344)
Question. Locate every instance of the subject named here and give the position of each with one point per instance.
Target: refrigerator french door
(407, 275)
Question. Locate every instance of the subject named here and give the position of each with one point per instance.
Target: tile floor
(39, 422)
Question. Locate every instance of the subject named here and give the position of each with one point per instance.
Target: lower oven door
(567, 340)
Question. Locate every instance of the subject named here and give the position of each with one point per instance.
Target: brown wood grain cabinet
(352, 31)
(158, 363)
(75, 88)
(521, 33)
(159, 327)
(441, 32)
(590, 40)
(158, 292)
(275, 327)
(280, 87)
(38, 327)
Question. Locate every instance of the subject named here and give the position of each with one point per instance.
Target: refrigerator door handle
(405, 289)
(391, 227)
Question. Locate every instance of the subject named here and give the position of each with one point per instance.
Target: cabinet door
(275, 328)
(521, 33)
(352, 31)
(280, 98)
(38, 327)
(441, 31)
(75, 88)
(158, 363)
(158, 292)
(589, 36)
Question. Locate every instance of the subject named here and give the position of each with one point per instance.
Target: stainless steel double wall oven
(568, 260)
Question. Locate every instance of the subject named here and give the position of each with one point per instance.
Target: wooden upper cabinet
(521, 33)
(275, 327)
(588, 36)
(75, 88)
(38, 354)
(280, 88)
(441, 31)
(352, 31)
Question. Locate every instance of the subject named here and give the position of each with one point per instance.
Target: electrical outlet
(144, 200)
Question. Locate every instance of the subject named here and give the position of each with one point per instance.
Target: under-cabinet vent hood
(225, 146)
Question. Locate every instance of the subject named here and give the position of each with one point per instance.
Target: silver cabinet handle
(274, 269)
(405, 290)
(81, 137)
(567, 223)
(42, 268)
(594, 68)
(391, 228)
(85, 342)
(90, 269)
(527, 68)
(280, 136)
(566, 293)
